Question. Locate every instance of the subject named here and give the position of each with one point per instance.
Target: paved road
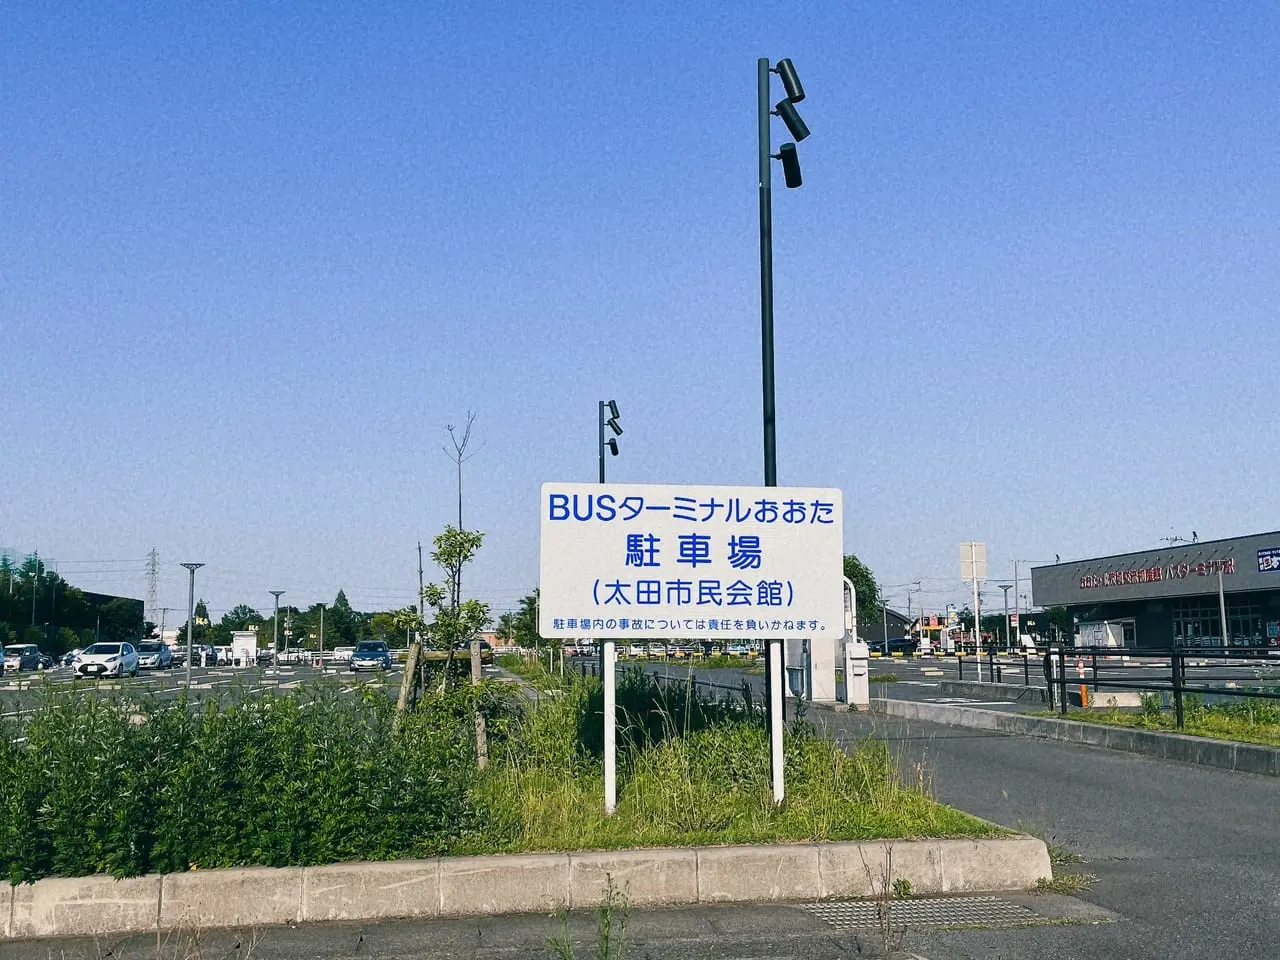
(1188, 856)
(726, 932)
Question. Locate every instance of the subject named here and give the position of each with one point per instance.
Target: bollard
(1176, 664)
(857, 683)
(1048, 676)
(1026, 669)
(1062, 680)
(1095, 673)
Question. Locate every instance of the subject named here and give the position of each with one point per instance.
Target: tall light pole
(191, 612)
(785, 109)
(275, 628)
(608, 418)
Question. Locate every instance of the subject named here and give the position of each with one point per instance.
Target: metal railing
(1057, 661)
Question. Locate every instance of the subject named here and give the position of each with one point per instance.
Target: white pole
(775, 720)
(610, 723)
(1222, 609)
(977, 613)
(1017, 620)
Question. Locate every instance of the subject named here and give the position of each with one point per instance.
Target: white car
(108, 660)
(343, 654)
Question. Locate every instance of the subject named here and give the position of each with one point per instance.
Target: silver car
(21, 656)
(154, 655)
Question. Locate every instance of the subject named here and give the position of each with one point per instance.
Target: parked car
(343, 654)
(370, 655)
(737, 650)
(108, 660)
(71, 656)
(154, 655)
(21, 656)
(903, 645)
(47, 662)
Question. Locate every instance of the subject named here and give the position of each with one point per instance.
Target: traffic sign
(696, 562)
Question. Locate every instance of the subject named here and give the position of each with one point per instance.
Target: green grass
(1246, 722)
(883, 678)
(93, 784)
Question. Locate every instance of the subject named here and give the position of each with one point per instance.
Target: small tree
(865, 586)
(454, 622)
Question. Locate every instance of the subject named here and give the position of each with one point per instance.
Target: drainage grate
(940, 912)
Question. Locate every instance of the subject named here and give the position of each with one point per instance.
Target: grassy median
(92, 784)
(1249, 721)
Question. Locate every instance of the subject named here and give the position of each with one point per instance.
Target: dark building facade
(1158, 598)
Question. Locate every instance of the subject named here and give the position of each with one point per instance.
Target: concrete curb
(1224, 754)
(1017, 693)
(522, 883)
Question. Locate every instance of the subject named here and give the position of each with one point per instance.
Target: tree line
(39, 606)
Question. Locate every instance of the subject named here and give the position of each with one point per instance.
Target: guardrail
(1057, 660)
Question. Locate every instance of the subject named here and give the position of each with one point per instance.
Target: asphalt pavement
(1188, 857)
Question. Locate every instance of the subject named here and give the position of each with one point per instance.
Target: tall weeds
(121, 786)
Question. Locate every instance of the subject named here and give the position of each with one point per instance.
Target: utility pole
(191, 613)
(275, 628)
(35, 583)
(153, 574)
(884, 618)
(1017, 615)
(322, 628)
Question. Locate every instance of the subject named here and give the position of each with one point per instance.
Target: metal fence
(1057, 662)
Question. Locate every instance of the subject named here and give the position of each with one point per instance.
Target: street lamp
(191, 612)
(609, 407)
(608, 419)
(275, 628)
(786, 110)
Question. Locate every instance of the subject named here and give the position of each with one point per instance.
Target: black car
(903, 645)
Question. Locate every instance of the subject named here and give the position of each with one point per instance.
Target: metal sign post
(609, 659)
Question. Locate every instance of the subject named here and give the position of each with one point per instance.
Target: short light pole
(1006, 587)
(786, 110)
(275, 629)
(191, 612)
(608, 652)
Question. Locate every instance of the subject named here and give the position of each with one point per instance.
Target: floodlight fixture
(613, 425)
(613, 409)
(790, 165)
(786, 70)
(791, 117)
(612, 444)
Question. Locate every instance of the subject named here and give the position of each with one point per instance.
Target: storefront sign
(1174, 571)
(1269, 560)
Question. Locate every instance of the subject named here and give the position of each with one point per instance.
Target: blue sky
(253, 258)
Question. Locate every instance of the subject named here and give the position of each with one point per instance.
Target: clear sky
(254, 257)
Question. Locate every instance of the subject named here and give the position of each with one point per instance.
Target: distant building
(872, 630)
(1159, 598)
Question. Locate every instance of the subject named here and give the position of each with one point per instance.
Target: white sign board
(973, 561)
(690, 562)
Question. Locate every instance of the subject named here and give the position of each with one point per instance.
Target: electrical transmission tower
(153, 572)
